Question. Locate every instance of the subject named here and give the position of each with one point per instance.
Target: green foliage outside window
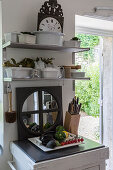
(88, 41)
(88, 91)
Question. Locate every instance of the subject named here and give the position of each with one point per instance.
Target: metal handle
(43, 168)
(10, 163)
(10, 101)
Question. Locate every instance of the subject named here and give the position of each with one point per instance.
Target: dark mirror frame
(22, 94)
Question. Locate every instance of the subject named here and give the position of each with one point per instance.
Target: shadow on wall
(1, 82)
(1, 150)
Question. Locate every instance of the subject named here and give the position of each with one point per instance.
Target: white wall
(21, 15)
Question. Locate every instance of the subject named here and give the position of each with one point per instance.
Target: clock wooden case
(50, 17)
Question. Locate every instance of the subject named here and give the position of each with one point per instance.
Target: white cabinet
(88, 160)
(91, 168)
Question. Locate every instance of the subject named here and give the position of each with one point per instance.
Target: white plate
(38, 143)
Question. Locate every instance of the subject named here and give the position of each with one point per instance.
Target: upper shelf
(42, 79)
(44, 47)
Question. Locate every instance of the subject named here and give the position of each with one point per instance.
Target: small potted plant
(75, 39)
(74, 42)
(22, 69)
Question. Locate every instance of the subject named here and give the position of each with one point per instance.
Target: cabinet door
(93, 168)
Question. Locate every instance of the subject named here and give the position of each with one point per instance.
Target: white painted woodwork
(44, 47)
(90, 160)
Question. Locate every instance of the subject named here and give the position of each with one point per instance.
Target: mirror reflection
(48, 101)
(31, 122)
(31, 103)
(49, 119)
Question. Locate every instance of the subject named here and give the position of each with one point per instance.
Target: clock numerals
(51, 20)
(56, 23)
(50, 24)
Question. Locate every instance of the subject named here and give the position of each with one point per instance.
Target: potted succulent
(74, 42)
(22, 69)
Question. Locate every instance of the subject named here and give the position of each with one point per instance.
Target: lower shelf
(43, 79)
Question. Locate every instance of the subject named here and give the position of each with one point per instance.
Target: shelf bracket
(73, 58)
(73, 85)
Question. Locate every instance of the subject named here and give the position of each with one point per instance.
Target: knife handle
(77, 100)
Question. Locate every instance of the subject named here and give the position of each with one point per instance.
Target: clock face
(50, 24)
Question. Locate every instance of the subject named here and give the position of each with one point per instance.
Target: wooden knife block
(71, 123)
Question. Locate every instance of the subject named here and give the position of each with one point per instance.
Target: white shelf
(42, 79)
(44, 47)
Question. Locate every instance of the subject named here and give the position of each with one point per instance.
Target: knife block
(71, 123)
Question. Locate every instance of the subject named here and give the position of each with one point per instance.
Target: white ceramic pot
(50, 73)
(13, 37)
(26, 38)
(49, 38)
(17, 72)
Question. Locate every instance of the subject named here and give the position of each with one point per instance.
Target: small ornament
(36, 73)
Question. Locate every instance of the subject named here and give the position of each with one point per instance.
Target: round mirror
(48, 101)
(49, 119)
(31, 103)
(31, 121)
(39, 111)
